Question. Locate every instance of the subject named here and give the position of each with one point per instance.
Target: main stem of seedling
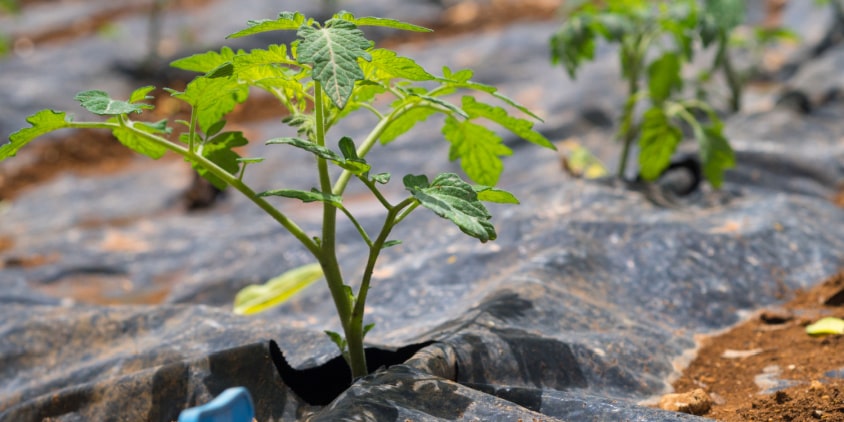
(628, 131)
(343, 300)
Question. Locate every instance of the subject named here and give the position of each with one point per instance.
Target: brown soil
(731, 366)
(478, 16)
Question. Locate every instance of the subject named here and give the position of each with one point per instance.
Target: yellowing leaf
(826, 326)
(257, 298)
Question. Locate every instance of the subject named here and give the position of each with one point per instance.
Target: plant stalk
(328, 254)
(628, 132)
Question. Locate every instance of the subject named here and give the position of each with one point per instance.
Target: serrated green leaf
(664, 77)
(219, 151)
(657, 143)
(405, 122)
(215, 128)
(260, 64)
(98, 102)
(43, 122)
(204, 62)
(254, 298)
(382, 22)
(386, 64)
(286, 21)
(716, 154)
(478, 149)
(333, 51)
(140, 94)
(313, 196)
(451, 198)
(726, 14)
(613, 26)
(212, 98)
(338, 340)
(573, 44)
(520, 127)
(491, 194)
(356, 166)
(461, 76)
(137, 142)
(442, 103)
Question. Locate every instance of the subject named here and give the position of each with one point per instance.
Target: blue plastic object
(232, 405)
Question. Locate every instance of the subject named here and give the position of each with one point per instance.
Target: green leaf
(657, 143)
(573, 44)
(451, 198)
(204, 62)
(727, 14)
(43, 122)
(356, 166)
(367, 328)
(212, 98)
(286, 21)
(405, 122)
(347, 148)
(98, 102)
(716, 154)
(386, 65)
(520, 127)
(260, 64)
(382, 178)
(222, 71)
(155, 127)
(826, 326)
(340, 342)
(664, 77)
(478, 149)
(139, 143)
(256, 298)
(215, 128)
(382, 22)
(219, 151)
(333, 51)
(313, 196)
(391, 243)
(141, 94)
(491, 194)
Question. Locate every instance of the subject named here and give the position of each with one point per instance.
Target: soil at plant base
(769, 369)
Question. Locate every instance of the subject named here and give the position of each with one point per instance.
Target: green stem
(390, 221)
(222, 174)
(328, 254)
(628, 132)
(373, 136)
(733, 79)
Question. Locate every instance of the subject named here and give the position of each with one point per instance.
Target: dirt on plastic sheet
(769, 369)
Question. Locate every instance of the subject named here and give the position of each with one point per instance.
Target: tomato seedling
(655, 40)
(330, 71)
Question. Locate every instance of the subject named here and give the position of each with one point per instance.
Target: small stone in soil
(695, 402)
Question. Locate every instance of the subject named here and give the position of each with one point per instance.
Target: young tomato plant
(330, 71)
(655, 40)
